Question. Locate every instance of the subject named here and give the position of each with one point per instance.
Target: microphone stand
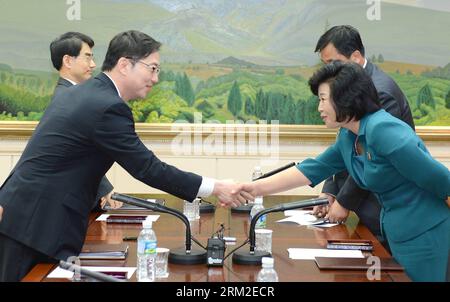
(178, 256)
(91, 274)
(247, 208)
(276, 171)
(253, 257)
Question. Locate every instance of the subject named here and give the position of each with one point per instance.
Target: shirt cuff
(207, 187)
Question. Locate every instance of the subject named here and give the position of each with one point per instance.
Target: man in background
(72, 56)
(343, 43)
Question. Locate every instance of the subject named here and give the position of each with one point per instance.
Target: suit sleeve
(104, 188)
(351, 195)
(330, 187)
(390, 104)
(406, 152)
(114, 133)
(325, 165)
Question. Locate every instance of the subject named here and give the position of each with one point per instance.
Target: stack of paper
(104, 217)
(310, 254)
(62, 273)
(305, 217)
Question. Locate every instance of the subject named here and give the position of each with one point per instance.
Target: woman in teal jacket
(385, 156)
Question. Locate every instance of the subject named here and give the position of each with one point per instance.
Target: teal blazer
(396, 166)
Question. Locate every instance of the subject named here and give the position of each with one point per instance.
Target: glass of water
(263, 241)
(191, 210)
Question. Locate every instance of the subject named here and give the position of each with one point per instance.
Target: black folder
(388, 264)
(102, 251)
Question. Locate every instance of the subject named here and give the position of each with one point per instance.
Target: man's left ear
(357, 57)
(123, 66)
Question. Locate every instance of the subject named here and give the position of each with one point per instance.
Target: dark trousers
(16, 259)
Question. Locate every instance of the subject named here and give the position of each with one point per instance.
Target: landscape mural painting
(246, 60)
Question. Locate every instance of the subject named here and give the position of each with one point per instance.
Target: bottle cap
(147, 223)
(258, 200)
(267, 261)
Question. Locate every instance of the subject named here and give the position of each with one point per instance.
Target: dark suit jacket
(341, 185)
(48, 198)
(105, 186)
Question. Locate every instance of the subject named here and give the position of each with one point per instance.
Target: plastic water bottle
(146, 253)
(258, 207)
(267, 273)
(257, 172)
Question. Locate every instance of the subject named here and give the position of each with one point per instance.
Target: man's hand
(114, 204)
(322, 211)
(337, 213)
(230, 193)
(1, 213)
(250, 188)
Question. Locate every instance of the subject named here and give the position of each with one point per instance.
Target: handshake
(231, 194)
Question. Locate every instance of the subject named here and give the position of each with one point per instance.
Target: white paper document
(310, 254)
(63, 273)
(303, 217)
(103, 217)
(296, 212)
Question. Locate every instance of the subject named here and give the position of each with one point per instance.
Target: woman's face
(326, 109)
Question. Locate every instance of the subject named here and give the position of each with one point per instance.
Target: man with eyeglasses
(72, 56)
(82, 133)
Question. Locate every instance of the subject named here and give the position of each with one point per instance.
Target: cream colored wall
(292, 147)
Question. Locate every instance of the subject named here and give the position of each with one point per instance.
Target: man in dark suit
(71, 54)
(47, 200)
(343, 43)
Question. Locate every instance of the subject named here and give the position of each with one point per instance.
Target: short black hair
(70, 44)
(345, 38)
(131, 44)
(352, 91)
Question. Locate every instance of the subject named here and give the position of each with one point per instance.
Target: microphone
(178, 256)
(276, 171)
(91, 274)
(206, 206)
(253, 257)
(246, 208)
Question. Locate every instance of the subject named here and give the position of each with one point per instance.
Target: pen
(129, 238)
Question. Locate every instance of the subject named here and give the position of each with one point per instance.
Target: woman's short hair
(352, 91)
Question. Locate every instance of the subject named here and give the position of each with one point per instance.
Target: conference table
(170, 232)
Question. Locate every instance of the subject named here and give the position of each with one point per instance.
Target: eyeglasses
(153, 68)
(87, 56)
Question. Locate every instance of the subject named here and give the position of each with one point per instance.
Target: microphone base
(245, 209)
(245, 258)
(179, 256)
(207, 208)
